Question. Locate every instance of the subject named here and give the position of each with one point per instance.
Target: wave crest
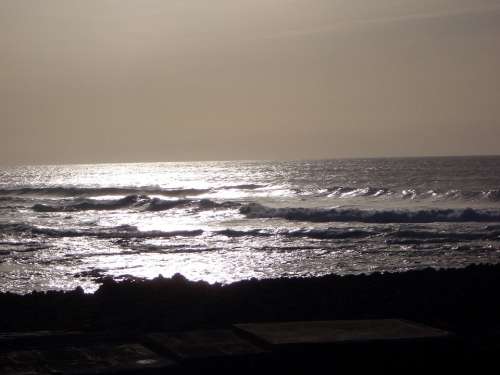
(74, 191)
(492, 195)
(142, 202)
(91, 204)
(255, 210)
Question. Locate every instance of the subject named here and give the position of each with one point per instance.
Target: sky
(84, 81)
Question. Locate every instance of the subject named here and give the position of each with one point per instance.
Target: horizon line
(305, 159)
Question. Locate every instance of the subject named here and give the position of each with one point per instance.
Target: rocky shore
(459, 300)
(75, 331)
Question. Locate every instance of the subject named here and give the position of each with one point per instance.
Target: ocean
(72, 225)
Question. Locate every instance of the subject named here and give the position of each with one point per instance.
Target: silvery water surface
(61, 226)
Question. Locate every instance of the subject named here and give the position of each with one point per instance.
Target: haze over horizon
(131, 81)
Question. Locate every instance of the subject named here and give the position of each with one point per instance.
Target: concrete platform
(390, 345)
(338, 331)
(203, 344)
(102, 359)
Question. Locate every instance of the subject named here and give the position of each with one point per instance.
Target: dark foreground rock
(194, 324)
(98, 359)
(458, 300)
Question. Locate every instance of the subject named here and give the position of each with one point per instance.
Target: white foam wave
(255, 210)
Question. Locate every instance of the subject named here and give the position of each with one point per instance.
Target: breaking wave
(339, 192)
(157, 204)
(142, 202)
(91, 204)
(410, 193)
(391, 236)
(255, 210)
(349, 192)
(75, 191)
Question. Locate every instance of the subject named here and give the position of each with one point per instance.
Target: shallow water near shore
(63, 226)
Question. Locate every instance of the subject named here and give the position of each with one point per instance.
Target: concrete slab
(203, 344)
(338, 331)
(83, 360)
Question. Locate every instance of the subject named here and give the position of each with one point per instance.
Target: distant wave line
(76, 191)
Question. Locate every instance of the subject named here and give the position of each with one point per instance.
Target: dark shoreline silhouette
(460, 300)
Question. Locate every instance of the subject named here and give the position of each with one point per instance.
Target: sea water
(69, 225)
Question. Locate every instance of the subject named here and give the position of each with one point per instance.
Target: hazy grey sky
(145, 80)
